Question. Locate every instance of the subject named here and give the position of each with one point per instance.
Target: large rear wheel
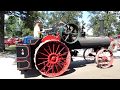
(52, 58)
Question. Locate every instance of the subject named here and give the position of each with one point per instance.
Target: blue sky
(86, 19)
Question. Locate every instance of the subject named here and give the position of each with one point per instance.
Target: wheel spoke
(61, 50)
(56, 67)
(57, 48)
(59, 65)
(43, 54)
(42, 63)
(74, 34)
(43, 58)
(49, 49)
(49, 68)
(46, 51)
(62, 63)
(48, 64)
(109, 58)
(65, 53)
(104, 54)
(53, 68)
(43, 69)
(67, 37)
(62, 58)
(53, 47)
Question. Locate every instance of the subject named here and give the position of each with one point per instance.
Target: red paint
(12, 41)
(51, 37)
(53, 58)
(111, 39)
(102, 60)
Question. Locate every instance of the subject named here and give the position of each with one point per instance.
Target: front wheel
(104, 58)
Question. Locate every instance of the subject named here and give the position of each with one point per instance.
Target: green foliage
(49, 18)
(26, 32)
(31, 16)
(24, 26)
(110, 21)
(65, 16)
(118, 28)
(11, 26)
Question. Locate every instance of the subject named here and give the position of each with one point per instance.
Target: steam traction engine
(51, 55)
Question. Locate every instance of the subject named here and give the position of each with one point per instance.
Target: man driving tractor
(38, 28)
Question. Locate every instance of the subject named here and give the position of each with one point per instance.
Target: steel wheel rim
(86, 55)
(54, 61)
(104, 60)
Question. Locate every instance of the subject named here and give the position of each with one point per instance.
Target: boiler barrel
(90, 42)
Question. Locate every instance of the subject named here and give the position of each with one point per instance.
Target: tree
(30, 17)
(50, 18)
(109, 18)
(118, 28)
(24, 21)
(117, 13)
(2, 13)
(2, 45)
(11, 26)
(65, 16)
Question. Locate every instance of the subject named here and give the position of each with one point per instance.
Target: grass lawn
(11, 49)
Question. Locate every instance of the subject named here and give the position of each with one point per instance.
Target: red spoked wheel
(104, 58)
(52, 58)
(113, 46)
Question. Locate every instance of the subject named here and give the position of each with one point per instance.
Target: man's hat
(38, 21)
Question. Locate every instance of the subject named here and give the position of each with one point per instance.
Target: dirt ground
(79, 69)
